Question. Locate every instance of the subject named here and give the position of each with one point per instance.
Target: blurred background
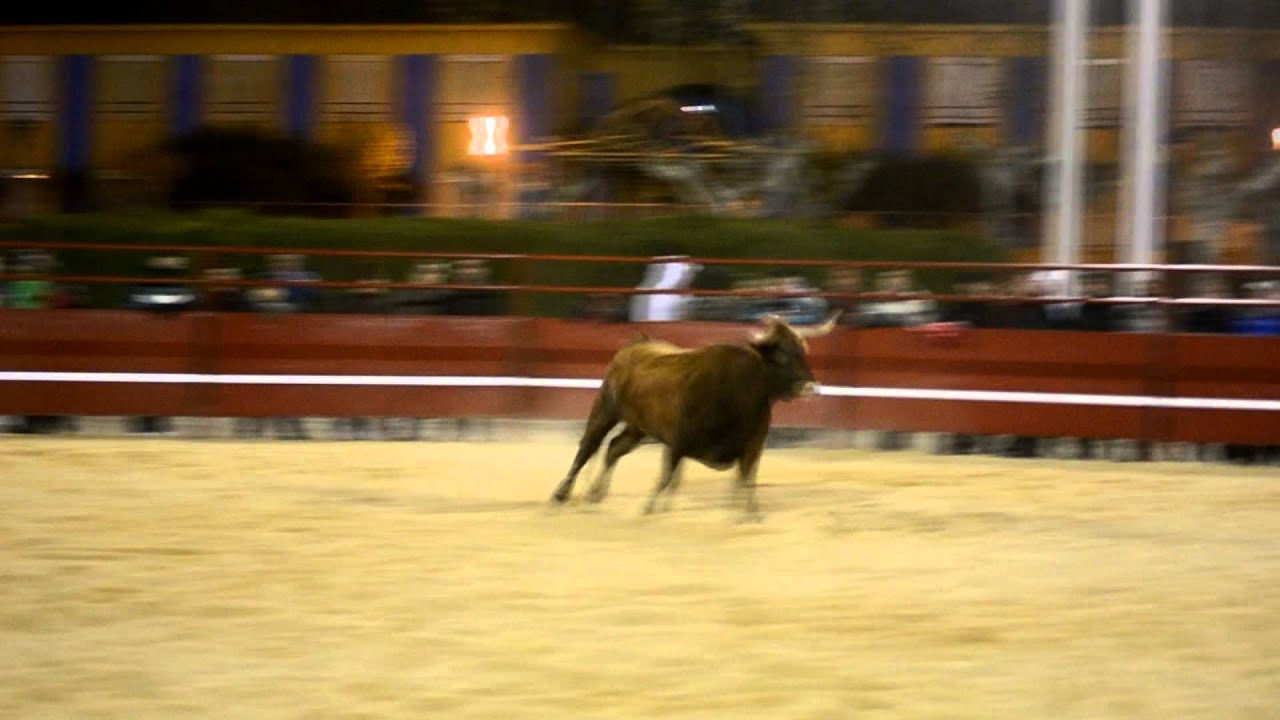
(871, 115)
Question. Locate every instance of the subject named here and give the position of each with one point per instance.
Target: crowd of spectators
(887, 298)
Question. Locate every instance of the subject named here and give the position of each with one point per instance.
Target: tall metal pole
(1061, 228)
(1144, 121)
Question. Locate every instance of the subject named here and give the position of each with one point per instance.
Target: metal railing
(520, 284)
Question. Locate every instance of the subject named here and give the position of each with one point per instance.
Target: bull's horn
(822, 329)
(771, 321)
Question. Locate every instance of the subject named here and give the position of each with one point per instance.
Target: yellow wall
(1103, 145)
(33, 147)
(115, 139)
(841, 138)
(951, 137)
(641, 71)
(288, 39)
(637, 71)
(998, 41)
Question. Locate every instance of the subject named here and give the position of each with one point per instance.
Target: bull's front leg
(748, 465)
(670, 466)
(746, 486)
(672, 487)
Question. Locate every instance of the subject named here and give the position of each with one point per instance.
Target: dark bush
(926, 191)
(278, 174)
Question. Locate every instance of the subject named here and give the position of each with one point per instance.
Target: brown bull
(712, 404)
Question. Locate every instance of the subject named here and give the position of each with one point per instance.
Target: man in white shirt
(664, 273)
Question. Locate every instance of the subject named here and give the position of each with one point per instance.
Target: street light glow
(488, 135)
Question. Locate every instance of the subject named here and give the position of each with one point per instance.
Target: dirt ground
(165, 578)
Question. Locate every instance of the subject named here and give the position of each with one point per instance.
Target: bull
(712, 404)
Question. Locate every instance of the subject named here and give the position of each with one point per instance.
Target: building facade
(87, 99)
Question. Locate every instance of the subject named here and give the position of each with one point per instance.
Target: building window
(475, 85)
(1212, 93)
(358, 87)
(963, 91)
(1104, 76)
(130, 85)
(244, 88)
(841, 89)
(27, 87)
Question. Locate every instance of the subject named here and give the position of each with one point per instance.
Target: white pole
(1145, 115)
(1061, 229)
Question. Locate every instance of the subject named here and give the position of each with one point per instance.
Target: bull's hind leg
(748, 464)
(670, 470)
(602, 419)
(621, 444)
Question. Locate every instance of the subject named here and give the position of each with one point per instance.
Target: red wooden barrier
(1098, 366)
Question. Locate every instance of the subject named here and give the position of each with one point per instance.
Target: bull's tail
(604, 416)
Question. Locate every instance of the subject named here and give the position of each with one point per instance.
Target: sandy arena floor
(186, 579)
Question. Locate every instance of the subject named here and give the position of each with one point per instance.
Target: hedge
(695, 236)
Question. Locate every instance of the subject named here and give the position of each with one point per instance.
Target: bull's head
(785, 351)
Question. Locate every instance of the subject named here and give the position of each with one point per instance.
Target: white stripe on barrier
(1000, 396)
(1199, 403)
(358, 380)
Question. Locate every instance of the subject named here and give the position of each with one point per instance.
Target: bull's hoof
(751, 518)
(595, 496)
(560, 496)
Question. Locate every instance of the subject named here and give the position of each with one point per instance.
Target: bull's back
(663, 390)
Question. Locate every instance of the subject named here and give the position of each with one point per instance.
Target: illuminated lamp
(488, 135)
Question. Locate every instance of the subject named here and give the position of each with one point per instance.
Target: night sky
(670, 21)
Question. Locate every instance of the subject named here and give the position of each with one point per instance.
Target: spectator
(664, 273)
(975, 312)
(70, 297)
(603, 307)
(164, 293)
(905, 306)
(281, 299)
(1097, 316)
(426, 300)
(473, 302)
(36, 294)
(1207, 318)
(367, 297)
(1264, 321)
(808, 309)
(220, 297)
(1058, 315)
(4, 285)
(847, 281)
(902, 305)
(167, 290)
(716, 308)
(32, 294)
(1143, 317)
(1259, 320)
(286, 298)
(476, 302)
(1021, 311)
